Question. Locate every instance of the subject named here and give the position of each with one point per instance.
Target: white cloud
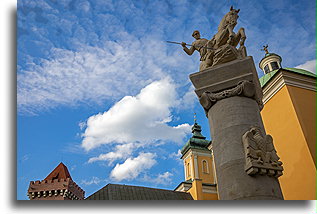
(189, 99)
(122, 151)
(132, 167)
(25, 157)
(164, 178)
(82, 125)
(94, 74)
(309, 66)
(94, 180)
(142, 118)
(175, 155)
(102, 56)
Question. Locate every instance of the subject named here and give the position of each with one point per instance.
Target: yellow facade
(304, 102)
(196, 190)
(199, 169)
(290, 117)
(204, 168)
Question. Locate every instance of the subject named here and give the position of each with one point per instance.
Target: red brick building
(58, 185)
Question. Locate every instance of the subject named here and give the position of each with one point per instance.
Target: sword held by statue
(178, 43)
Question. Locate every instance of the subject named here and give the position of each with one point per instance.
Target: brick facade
(58, 185)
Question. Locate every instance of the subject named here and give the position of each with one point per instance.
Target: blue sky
(100, 90)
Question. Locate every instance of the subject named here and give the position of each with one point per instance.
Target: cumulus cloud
(189, 99)
(175, 155)
(142, 118)
(132, 167)
(82, 125)
(121, 151)
(309, 66)
(164, 178)
(135, 122)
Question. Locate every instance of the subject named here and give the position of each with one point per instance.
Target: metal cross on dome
(265, 49)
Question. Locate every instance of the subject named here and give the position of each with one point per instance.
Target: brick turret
(58, 185)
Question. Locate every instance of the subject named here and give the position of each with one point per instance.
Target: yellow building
(200, 179)
(289, 116)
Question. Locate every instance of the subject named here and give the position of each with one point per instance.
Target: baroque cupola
(197, 140)
(270, 62)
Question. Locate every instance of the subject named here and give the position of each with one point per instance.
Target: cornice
(287, 78)
(196, 152)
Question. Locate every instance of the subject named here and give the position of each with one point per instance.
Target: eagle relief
(260, 154)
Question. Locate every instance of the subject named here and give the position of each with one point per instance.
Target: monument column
(247, 166)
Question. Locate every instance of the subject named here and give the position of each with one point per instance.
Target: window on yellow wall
(205, 167)
(188, 170)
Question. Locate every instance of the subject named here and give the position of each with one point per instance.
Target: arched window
(205, 167)
(188, 169)
(266, 69)
(274, 66)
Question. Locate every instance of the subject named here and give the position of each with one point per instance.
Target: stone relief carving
(244, 88)
(221, 48)
(260, 154)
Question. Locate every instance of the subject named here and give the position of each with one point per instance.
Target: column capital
(235, 78)
(243, 88)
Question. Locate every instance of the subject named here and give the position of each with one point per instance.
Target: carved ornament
(260, 154)
(244, 88)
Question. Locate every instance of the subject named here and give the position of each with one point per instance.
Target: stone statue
(200, 44)
(260, 154)
(222, 47)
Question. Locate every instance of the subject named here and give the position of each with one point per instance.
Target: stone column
(246, 167)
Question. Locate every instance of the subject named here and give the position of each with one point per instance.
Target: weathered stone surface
(227, 76)
(230, 117)
(225, 53)
(244, 88)
(260, 154)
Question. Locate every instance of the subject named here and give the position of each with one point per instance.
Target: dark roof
(126, 192)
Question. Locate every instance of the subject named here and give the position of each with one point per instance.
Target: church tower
(198, 162)
(289, 115)
(58, 185)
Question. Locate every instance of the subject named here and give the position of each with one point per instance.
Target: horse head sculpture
(225, 41)
(230, 19)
